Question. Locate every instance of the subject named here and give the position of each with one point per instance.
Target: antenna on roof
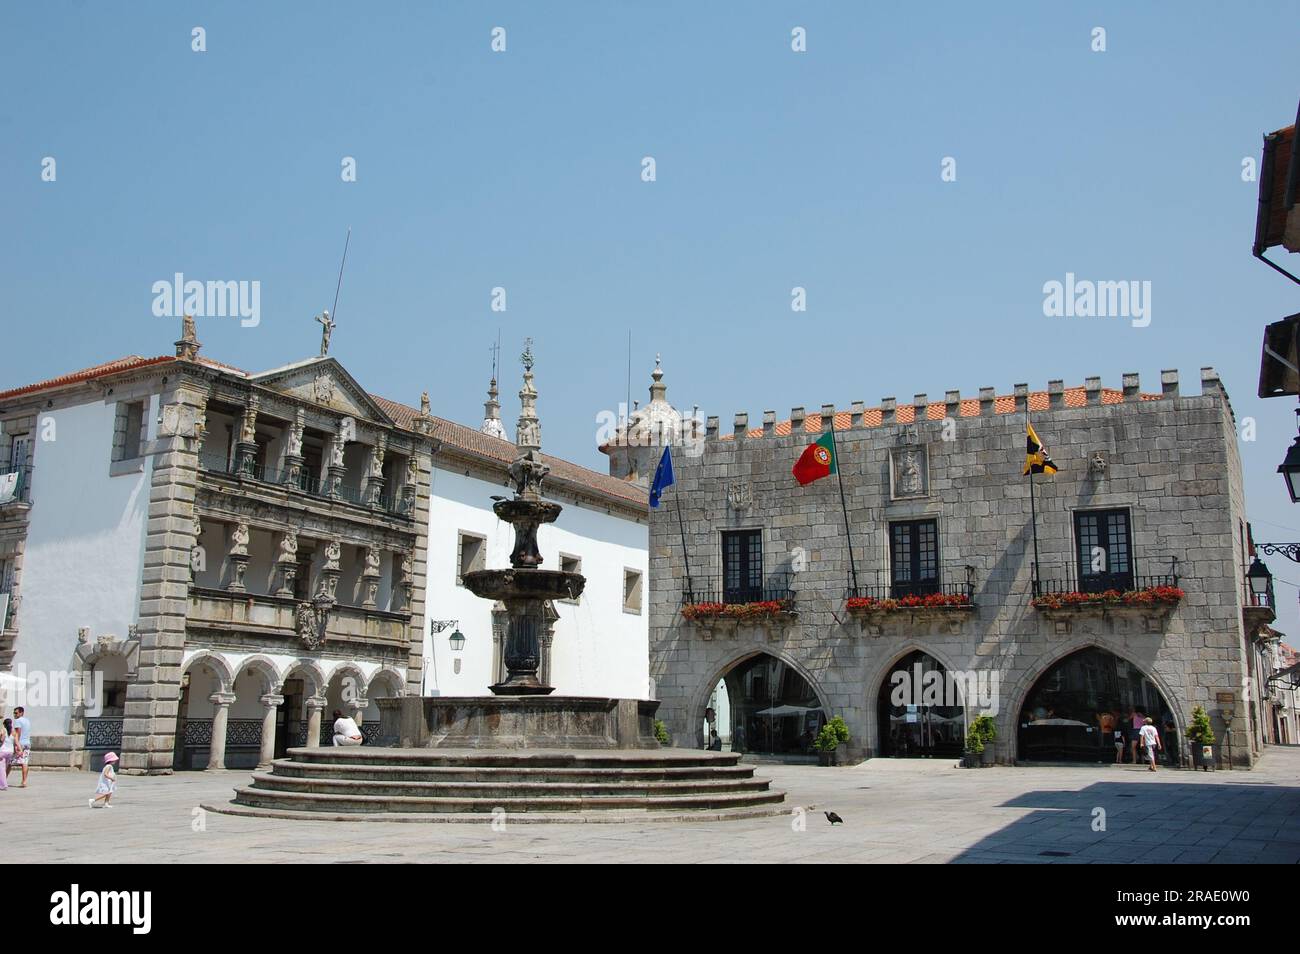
(335, 310)
(496, 353)
(627, 408)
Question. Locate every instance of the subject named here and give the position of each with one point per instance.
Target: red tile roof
(937, 411)
(503, 452)
(457, 435)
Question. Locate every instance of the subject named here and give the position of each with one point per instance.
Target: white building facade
(199, 564)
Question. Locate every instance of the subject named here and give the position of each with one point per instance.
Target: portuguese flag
(817, 460)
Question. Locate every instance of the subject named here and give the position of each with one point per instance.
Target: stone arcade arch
(771, 722)
(921, 712)
(385, 684)
(207, 692)
(1067, 708)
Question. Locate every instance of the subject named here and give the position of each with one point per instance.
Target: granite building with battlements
(1135, 606)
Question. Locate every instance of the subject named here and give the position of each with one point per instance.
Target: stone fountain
(538, 756)
(522, 712)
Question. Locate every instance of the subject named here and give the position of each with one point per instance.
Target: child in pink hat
(107, 783)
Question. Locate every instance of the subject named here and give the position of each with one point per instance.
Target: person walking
(346, 731)
(22, 741)
(6, 752)
(107, 784)
(1150, 742)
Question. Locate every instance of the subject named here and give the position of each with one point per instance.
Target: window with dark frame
(742, 566)
(1105, 550)
(914, 558)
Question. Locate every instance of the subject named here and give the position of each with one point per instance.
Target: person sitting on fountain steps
(346, 731)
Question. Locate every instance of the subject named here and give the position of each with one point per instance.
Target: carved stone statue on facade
(327, 329)
(377, 462)
(248, 427)
(909, 474)
(336, 452)
(424, 403)
(289, 547)
(187, 348)
(333, 553)
(239, 540)
(295, 440)
(412, 471)
(372, 562)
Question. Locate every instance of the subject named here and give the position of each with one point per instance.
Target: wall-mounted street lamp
(1260, 579)
(457, 638)
(1290, 469)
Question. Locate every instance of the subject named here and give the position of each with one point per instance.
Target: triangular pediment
(325, 382)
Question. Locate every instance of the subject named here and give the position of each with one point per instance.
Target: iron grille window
(914, 558)
(742, 566)
(1105, 550)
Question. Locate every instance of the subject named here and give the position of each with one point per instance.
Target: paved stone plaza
(895, 811)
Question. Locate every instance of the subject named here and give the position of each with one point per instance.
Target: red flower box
(929, 601)
(766, 609)
(1151, 596)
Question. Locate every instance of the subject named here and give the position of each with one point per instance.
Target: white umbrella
(787, 710)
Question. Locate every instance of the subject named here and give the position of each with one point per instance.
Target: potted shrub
(826, 743)
(661, 732)
(974, 750)
(988, 732)
(832, 735)
(1200, 735)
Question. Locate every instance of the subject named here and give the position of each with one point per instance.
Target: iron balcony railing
(305, 480)
(713, 589)
(1069, 580)
(20, 478)
(884, 589)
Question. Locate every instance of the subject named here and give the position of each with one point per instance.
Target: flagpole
(686, 558)
(1033, 513)
(839, 474)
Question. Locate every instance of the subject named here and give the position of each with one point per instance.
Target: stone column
(330, 570)
(287, 563)
(370, 578)
(375, 476)
(360, 705)
(246, 447)
(238, 556)
(267, 754)
(217, 750)
(335, 470)
(293, 457)
(314, 706)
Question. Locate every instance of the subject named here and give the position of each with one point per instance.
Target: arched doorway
(1074, 709)
(771, 709)
(921, 714)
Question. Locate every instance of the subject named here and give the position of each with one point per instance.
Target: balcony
(918, 603)
(1117, 598)
(718, 607)
(276, 617)
(308, 481)
(1258, 610)
(15, 486)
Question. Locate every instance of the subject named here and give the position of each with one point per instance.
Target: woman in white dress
(6, 753)
(107, 783)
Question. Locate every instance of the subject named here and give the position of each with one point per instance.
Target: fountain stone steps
(440, 784)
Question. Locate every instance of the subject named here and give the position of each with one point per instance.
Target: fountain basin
(519, 722)
(524, 584)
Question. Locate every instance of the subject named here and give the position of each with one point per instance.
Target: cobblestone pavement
(894, 811)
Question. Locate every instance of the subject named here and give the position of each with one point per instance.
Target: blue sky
(522, 169)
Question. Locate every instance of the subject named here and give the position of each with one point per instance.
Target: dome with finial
(634, 449)
(658, 422)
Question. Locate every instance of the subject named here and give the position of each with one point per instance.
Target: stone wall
(1169, 458)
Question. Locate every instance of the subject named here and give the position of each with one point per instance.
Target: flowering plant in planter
(1150, 596)
(929, 601)
(763, 609)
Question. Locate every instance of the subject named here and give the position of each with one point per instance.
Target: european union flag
(663, 478)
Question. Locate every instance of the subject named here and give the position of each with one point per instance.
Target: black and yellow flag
(1036, 459)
